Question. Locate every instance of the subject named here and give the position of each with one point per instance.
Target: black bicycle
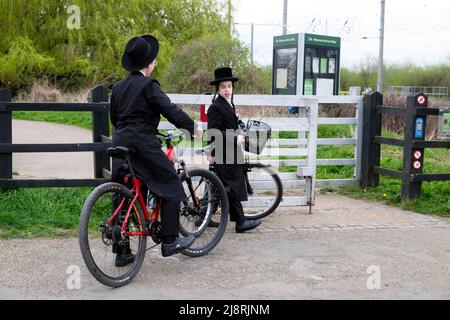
(264, 187)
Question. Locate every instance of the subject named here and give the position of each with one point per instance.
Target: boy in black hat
(228, 156)
(137, 103)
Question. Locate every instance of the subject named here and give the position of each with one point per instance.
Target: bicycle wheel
(264, 190)
(97, 234)
(208, 221)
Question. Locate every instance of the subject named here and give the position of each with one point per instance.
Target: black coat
(137, 103)
(228, 155)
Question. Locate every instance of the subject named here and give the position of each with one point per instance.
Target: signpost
(306, 64)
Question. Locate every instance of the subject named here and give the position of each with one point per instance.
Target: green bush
(193, 66)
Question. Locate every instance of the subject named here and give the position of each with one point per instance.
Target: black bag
(257, 134)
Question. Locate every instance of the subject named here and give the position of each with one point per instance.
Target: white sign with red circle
(417, 154)
(417, 164)
(420, 99)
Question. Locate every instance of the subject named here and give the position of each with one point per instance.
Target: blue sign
(418, 128)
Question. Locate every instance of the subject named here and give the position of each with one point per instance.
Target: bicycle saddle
(120, 152)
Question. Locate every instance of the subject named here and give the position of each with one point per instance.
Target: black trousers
(170, 218)
(236, 209)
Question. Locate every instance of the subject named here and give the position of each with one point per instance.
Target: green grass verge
(434, 199)
(44, 212)
(435, 196)
(73, 118)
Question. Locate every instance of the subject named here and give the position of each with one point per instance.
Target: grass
(40, 212)
(435, 196)
(73, 118)
(434, 199)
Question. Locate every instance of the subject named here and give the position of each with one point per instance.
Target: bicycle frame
(137, 191)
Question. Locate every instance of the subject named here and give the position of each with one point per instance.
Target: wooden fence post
(371, 151)
(6, 169)
(100, 126)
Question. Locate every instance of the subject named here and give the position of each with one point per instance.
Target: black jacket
(137, 103)
(229, 158)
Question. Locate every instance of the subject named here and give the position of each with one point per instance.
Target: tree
(92, 53)
(193, 65)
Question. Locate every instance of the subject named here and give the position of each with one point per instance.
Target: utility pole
(230, 23)
(285, 17)
(253, 32)
(380, 55)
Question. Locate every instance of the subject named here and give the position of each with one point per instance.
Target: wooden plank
(54, 106)
(246, 100)
(302, 162)
(350, 121)
(56, 183)
(56, 147)
(320, 142)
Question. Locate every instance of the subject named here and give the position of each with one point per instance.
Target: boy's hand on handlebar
(198, 132)
(240, 140)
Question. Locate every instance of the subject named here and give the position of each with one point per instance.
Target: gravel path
(347, 249)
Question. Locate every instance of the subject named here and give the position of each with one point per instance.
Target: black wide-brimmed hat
(223, 74)
(140, 52)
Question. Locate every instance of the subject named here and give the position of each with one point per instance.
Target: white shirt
(229, 101)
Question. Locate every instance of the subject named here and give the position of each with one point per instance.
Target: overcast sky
(416, 31)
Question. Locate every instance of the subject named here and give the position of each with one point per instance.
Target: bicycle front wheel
(264, 191)
(208, 219)
(101, 239)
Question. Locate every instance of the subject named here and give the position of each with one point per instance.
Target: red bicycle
(114, 216)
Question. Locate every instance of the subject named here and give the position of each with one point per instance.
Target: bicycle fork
(190, 186)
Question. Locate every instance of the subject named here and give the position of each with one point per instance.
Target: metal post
(229, 18)
(371, 151)
(6, 169)
(253, 32)
(380, 55)
(100, 126)
(285, 17)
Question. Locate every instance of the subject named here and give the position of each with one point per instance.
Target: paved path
(346, 249)
(63, 165)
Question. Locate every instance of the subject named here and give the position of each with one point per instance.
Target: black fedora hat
(140, 52)
(223, 74)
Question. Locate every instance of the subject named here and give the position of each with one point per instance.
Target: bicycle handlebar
(170, 137)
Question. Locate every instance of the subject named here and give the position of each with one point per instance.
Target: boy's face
(226, 89)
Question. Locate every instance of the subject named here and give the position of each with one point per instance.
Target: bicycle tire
(218, 205)
(273, 202)
(84, 236)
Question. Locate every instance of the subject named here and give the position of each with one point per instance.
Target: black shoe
(247, 225)
(177, 246)
(123, 260)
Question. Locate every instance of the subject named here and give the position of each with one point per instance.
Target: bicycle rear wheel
(264, 191)
(208, 221)
(98, 234)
